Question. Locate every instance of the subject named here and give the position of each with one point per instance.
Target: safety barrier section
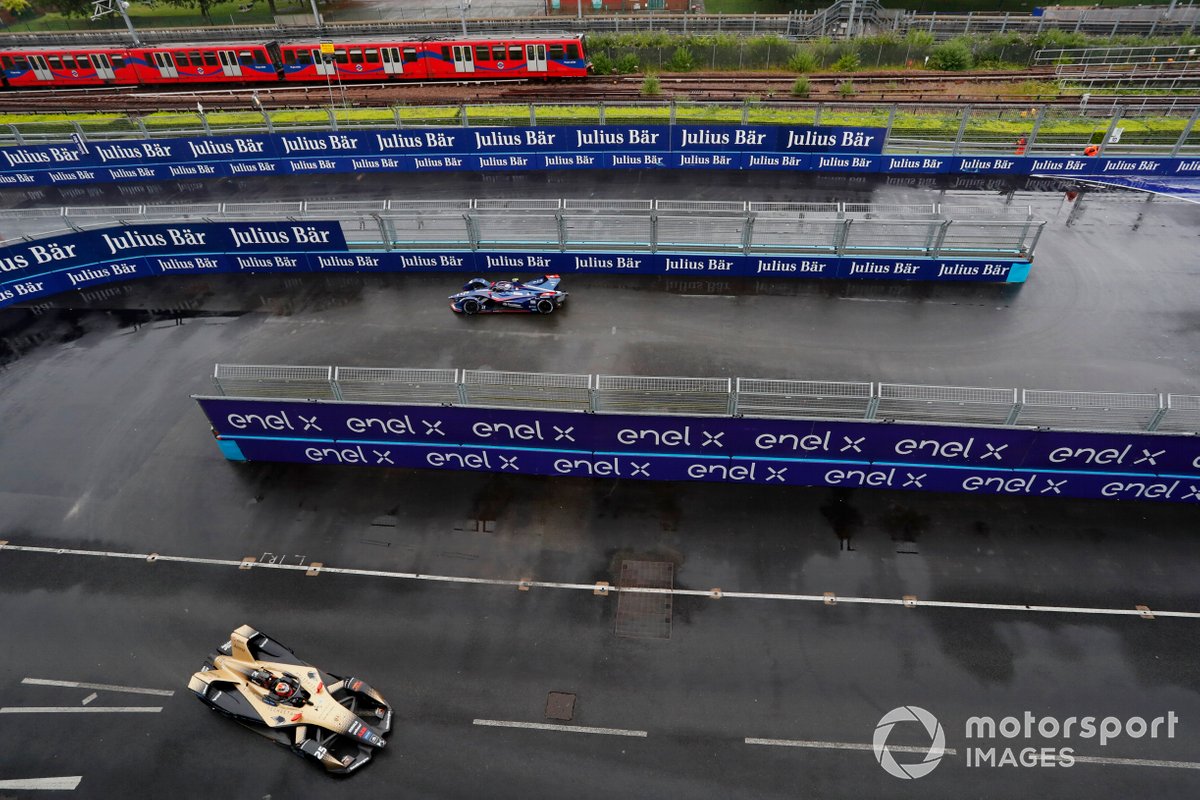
(709, 244)
(790, 432)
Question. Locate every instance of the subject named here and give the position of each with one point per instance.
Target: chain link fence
(736, 397)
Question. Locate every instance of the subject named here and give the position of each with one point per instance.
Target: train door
(165, 64)
(463, 60)
(229, 64)
(392, 65)
(40, 70)
(104, 70)
(323, 62)
(535, 57)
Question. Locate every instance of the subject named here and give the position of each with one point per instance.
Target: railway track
(981, 88)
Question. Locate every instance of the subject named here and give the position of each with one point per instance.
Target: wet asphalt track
(101, 450)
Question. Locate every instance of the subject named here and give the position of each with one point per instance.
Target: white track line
(79, 710)
(104, 687)
(90, 698)
(540, 726)
(59, 784)
(591, 587)
(847, 746)
(1137, 762)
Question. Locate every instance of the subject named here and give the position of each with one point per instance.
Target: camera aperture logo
(885, 754)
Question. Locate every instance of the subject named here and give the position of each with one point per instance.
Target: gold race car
(338, 722)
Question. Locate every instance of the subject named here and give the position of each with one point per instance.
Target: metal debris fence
(1118, 412)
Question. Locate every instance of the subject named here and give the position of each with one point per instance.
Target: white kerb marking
(68, 783)
(541, 726)
(1137, 762)
(103, 687)
(817, 745)
(78, 710)
(90, 698)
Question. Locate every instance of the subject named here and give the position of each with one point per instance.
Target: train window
(6, 61)
(514, 52)
(68, 62)
(481, 54)
(182, 60)
(84, 61)
(210, 59)
(197, 58)
(467, 54)
(498, 52)
(55, 63)
(340, 57)
(21, 62)
(289, 56)
(446, 53)
(573, 52)
(246, 58)
(356, 56)
(557, 52)
(304, 57)
(118, 62)
(410, 55)
(372, 56)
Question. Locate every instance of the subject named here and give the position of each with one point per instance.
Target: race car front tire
(545, 306)
(471, 306)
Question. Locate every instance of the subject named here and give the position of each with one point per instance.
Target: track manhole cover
(645, 615)
(560, 705)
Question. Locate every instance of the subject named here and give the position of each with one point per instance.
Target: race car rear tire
(471, 306)
(545, 306)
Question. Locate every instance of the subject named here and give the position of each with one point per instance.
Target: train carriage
(67, 67)
(188, 64)
(435, 59)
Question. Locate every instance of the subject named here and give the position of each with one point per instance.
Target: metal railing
(842, 19)
(1166, 129)
(737, 397)
(734, 227)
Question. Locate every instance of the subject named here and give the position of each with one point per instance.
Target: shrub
(952, 55)
(847, 63)
(680, 61)
(800, 87)
(846, 88)
(627, 64)
(602, 64)
(802, 61)
(651, 86)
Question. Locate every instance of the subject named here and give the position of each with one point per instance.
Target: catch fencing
(1120, 412)
(584, 225)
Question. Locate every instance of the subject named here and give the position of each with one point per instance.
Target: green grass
(145, 15)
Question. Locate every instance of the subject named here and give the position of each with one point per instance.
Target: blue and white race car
(537, 296)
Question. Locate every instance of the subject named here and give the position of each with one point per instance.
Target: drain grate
(560, 706)
(645, 615)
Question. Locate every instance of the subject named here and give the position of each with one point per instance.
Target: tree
(15, 6)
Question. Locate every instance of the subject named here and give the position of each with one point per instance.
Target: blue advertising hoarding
(691, 146)
(973, 459)
(39, 269)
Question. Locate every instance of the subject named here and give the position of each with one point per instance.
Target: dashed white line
(1137, 762)
(818, 745)
(52, 784)
(90, 698)
(541, 726)
(79, 710)
(591, 587)
(103, 687)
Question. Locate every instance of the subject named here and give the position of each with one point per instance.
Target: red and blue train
(256, 63)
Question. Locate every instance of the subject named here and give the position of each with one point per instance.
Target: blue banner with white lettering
(801, 148)
(972, 459)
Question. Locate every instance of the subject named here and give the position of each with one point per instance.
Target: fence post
(204, 123)
(332, 118)
(1112, 126)
(385, 234)
(1015, 411)
(1037, 234)
(1033, 134)
(602, 112)
(16, 132)
(1153, 424)
(461, 386)
(746, 111)
(217, 381)
(817, 115)
(472, 232)
(872, 404)
(532, 116)
(936, 250)
(267, 121)
(462, 113)
(1183, 136)
(887, 134)
(962, 129)
(396, 117)
(333, 384)
(562, 231)
(841, 237)
(141, 126)
(592, 393)
(748, 233)
(653, 233)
